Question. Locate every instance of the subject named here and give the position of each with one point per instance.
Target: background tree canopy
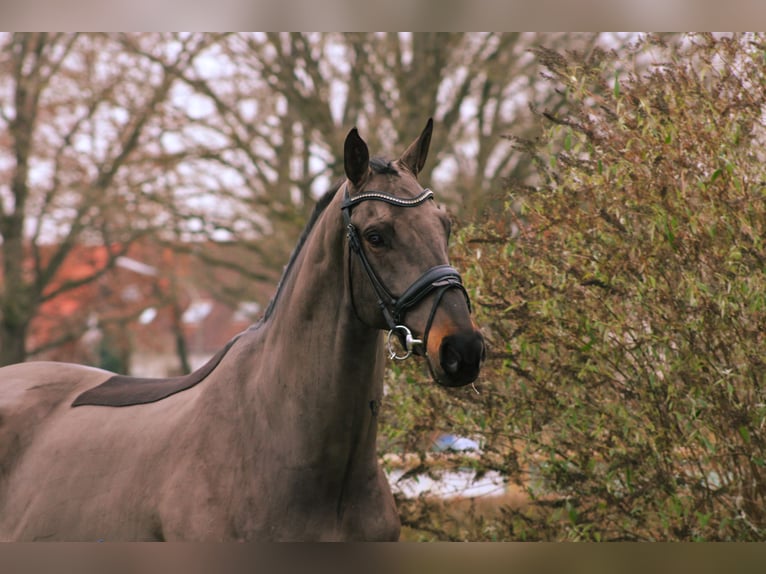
(181, 139)
(623, 292)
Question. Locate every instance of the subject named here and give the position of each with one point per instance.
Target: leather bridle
(438, 279)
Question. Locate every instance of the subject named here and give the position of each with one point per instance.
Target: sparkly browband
(387, 197)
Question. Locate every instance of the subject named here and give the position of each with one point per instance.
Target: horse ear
(356, 157)
(415, 156)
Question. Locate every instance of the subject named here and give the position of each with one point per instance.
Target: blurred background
(608, 195)
(153, 185)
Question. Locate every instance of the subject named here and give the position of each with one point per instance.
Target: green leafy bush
(623, 294)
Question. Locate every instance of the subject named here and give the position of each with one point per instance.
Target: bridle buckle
(405, 337)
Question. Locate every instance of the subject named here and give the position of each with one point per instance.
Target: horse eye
(375, 239)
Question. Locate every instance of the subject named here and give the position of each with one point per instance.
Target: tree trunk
(182, 350)
(12, 343)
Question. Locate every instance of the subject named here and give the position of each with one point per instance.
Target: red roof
(139, 301)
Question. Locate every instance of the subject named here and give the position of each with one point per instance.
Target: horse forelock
(383, 166)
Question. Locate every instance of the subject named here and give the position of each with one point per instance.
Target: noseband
(437, 279)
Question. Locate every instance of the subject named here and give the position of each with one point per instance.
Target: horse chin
(448, 381)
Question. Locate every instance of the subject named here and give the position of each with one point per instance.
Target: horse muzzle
(454, 353)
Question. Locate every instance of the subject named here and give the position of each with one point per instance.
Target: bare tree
(81, 126)
(188, 138)
(477, 86)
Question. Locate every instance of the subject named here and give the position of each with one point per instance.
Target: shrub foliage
(623, 295)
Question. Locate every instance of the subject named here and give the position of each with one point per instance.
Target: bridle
(437, 279)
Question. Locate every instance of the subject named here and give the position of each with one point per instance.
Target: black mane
(378, 165)
(319, 208)
(123, 391)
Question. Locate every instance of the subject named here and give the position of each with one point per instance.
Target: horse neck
(330, 363)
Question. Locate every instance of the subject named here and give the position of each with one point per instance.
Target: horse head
(400, 277)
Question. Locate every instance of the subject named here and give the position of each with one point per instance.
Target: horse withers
(274, 438)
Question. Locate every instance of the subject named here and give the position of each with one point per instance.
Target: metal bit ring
(409, 343)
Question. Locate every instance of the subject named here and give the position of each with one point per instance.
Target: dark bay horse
(273, 439)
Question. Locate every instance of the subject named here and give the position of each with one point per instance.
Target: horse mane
(124, 390)
(378, 165)
(319, 208)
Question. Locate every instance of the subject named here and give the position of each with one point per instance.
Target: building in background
(156, 313)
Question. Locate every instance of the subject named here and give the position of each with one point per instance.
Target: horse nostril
(450, 359)
(460, 356)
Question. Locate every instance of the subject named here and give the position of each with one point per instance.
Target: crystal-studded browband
(387, 197)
